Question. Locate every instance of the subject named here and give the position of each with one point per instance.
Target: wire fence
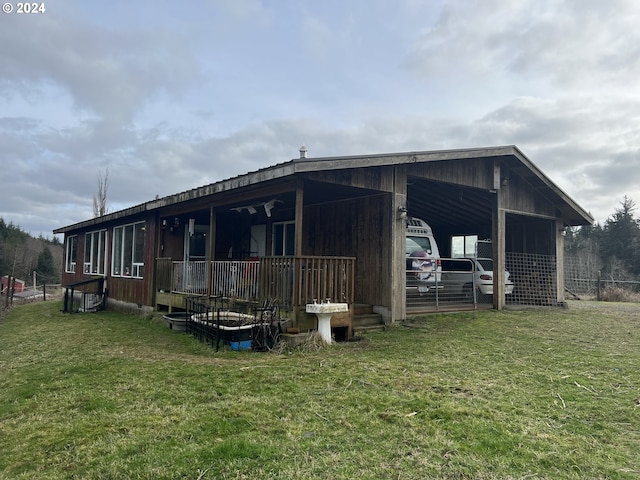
(583, 279)
(532, 279)
(40, 293)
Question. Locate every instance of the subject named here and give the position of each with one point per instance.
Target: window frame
(284, 240)
(71, 250)
(128, 250)
(97, 241)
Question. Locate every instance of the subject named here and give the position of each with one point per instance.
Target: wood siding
(475, 172)
(355, 228)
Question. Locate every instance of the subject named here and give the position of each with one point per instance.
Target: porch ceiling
(449, 207)
(320, 192)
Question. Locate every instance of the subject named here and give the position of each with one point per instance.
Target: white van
(424, 269)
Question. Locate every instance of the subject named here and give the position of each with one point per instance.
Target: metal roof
(517, 161)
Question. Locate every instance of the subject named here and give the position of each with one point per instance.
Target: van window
(418, 244)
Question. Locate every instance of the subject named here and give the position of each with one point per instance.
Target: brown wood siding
(139, 291)
(473, 172)
(355, 228)
(133, 290)
(521, 197)
(374, 178)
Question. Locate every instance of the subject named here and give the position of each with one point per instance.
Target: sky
(167, 96)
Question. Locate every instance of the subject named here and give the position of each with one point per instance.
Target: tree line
(613, 248)
(21, 254)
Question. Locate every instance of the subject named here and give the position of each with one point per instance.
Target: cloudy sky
(171, 95)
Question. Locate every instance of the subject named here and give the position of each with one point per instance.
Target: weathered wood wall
(355, 228)
(476, 173)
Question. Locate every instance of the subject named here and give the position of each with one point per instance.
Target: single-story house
(331, 227)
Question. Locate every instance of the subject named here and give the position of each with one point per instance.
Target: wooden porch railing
(164, 274)
(296, 281)
(289, 281)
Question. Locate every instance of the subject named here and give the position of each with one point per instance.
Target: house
(330, 227)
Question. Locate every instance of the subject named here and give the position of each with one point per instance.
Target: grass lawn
(513, 394)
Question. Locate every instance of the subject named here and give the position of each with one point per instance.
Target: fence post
(44, 292)
(599, 285)
(13, 288)
(7, 292)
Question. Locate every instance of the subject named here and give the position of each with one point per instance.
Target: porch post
(212, 247)
(397, 255)
(297, 309)
(298, 218)
(498, 239)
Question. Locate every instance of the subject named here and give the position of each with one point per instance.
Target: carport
(497, 195)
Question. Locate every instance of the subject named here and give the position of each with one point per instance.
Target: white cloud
(169, 96)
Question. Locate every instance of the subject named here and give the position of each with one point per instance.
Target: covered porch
(289, 281)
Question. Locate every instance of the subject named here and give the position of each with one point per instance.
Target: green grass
(514, 394)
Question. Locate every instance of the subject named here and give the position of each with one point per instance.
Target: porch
(289, 281)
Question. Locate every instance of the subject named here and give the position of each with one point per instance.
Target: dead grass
(517, 394)
(615, 293)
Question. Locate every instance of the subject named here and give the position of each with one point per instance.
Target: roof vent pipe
(303, 152)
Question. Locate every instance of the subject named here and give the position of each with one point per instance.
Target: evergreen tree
(620, 246)
(46, 266)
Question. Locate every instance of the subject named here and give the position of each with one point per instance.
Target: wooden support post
(398, 305)
(212, 248)
(298, 219)
(498, 242)
(12, 290)
(295, 291)
(559, 234)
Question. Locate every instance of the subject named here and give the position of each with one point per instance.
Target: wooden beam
(559, 234)
(498, 244)
(299, 218)
(398, 299)
(212, 248)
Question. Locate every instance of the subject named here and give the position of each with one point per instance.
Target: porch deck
(291, 281)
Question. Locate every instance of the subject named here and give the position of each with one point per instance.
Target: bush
(615, 293)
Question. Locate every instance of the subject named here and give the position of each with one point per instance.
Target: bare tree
(100, 198)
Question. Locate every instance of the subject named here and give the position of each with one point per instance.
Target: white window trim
(136, 267)
(88, 266)
(69, 264)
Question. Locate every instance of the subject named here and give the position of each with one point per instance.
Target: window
(417, 244)
(95, 257)
(128, 250)
(72, 250)
(283, 238)
(463, 246)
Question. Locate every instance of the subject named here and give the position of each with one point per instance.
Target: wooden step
(368, 328)
(361, 308)
(367, 321)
